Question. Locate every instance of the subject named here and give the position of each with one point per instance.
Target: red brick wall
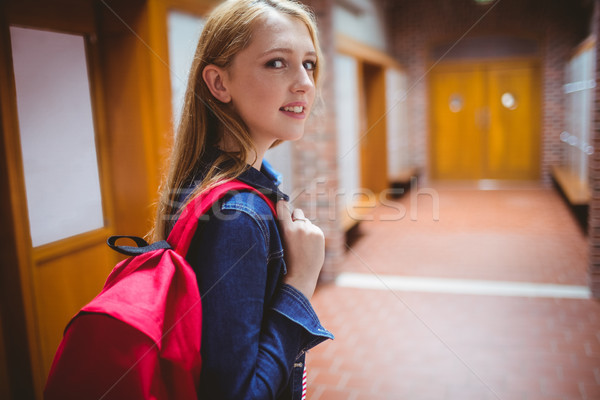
(315, 155)
(594, 174)
(557, 26)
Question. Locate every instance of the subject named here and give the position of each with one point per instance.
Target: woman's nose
(303, 81)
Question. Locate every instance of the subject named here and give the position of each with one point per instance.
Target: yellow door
(485, 121)
(512, 146)
(457, 100)
(373, 144)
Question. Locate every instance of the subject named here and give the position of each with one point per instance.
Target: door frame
(368, 57)
(19, 346)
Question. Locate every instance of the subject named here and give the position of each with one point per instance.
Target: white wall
(579, 91)
(367, 27)
(347, 124)
(280, 157)
(397, 132)
(184, 32)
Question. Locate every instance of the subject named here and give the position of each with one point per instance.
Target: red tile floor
(409, 344)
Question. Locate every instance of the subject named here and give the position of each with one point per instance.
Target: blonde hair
(204, 119)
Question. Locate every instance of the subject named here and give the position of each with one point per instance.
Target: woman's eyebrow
(286, 50)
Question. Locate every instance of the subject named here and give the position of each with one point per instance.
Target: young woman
(252, 85)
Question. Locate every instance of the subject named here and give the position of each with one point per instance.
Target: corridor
(499, 309)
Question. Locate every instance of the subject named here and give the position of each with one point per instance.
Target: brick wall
(557, 26)
(594, 174)
(314, 156)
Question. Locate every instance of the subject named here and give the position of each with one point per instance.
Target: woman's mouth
(294, 109)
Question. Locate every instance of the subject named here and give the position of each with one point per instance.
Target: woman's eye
(310, 65)
(276, 63)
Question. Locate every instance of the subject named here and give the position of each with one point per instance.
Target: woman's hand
(304, 249)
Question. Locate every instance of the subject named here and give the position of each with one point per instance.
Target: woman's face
(271, 81)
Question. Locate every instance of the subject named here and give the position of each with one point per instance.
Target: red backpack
(140, 337)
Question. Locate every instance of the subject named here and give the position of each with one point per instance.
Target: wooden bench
(400, 182)
(351, 214)
(575, 191)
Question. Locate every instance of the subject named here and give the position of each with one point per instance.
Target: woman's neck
(254, 157)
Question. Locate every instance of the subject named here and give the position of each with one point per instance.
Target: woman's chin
(292, 136)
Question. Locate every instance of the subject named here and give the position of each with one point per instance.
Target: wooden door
(485, 121)
(61, 177)
(513, 140)
(122, 88)
(457, 101)
(373, 146)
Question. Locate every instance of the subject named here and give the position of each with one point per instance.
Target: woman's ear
(214, 78)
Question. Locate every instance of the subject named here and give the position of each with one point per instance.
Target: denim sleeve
(293, 305)
(248, 347)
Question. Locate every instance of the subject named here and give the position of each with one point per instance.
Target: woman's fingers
(304, 246)
(286, 216)
(298, 215)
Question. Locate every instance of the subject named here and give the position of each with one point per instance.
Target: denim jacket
(255, 329)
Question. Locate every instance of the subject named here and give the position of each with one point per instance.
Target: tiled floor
(410, 344)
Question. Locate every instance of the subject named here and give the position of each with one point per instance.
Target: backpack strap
(142, 245)
(182, 233)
